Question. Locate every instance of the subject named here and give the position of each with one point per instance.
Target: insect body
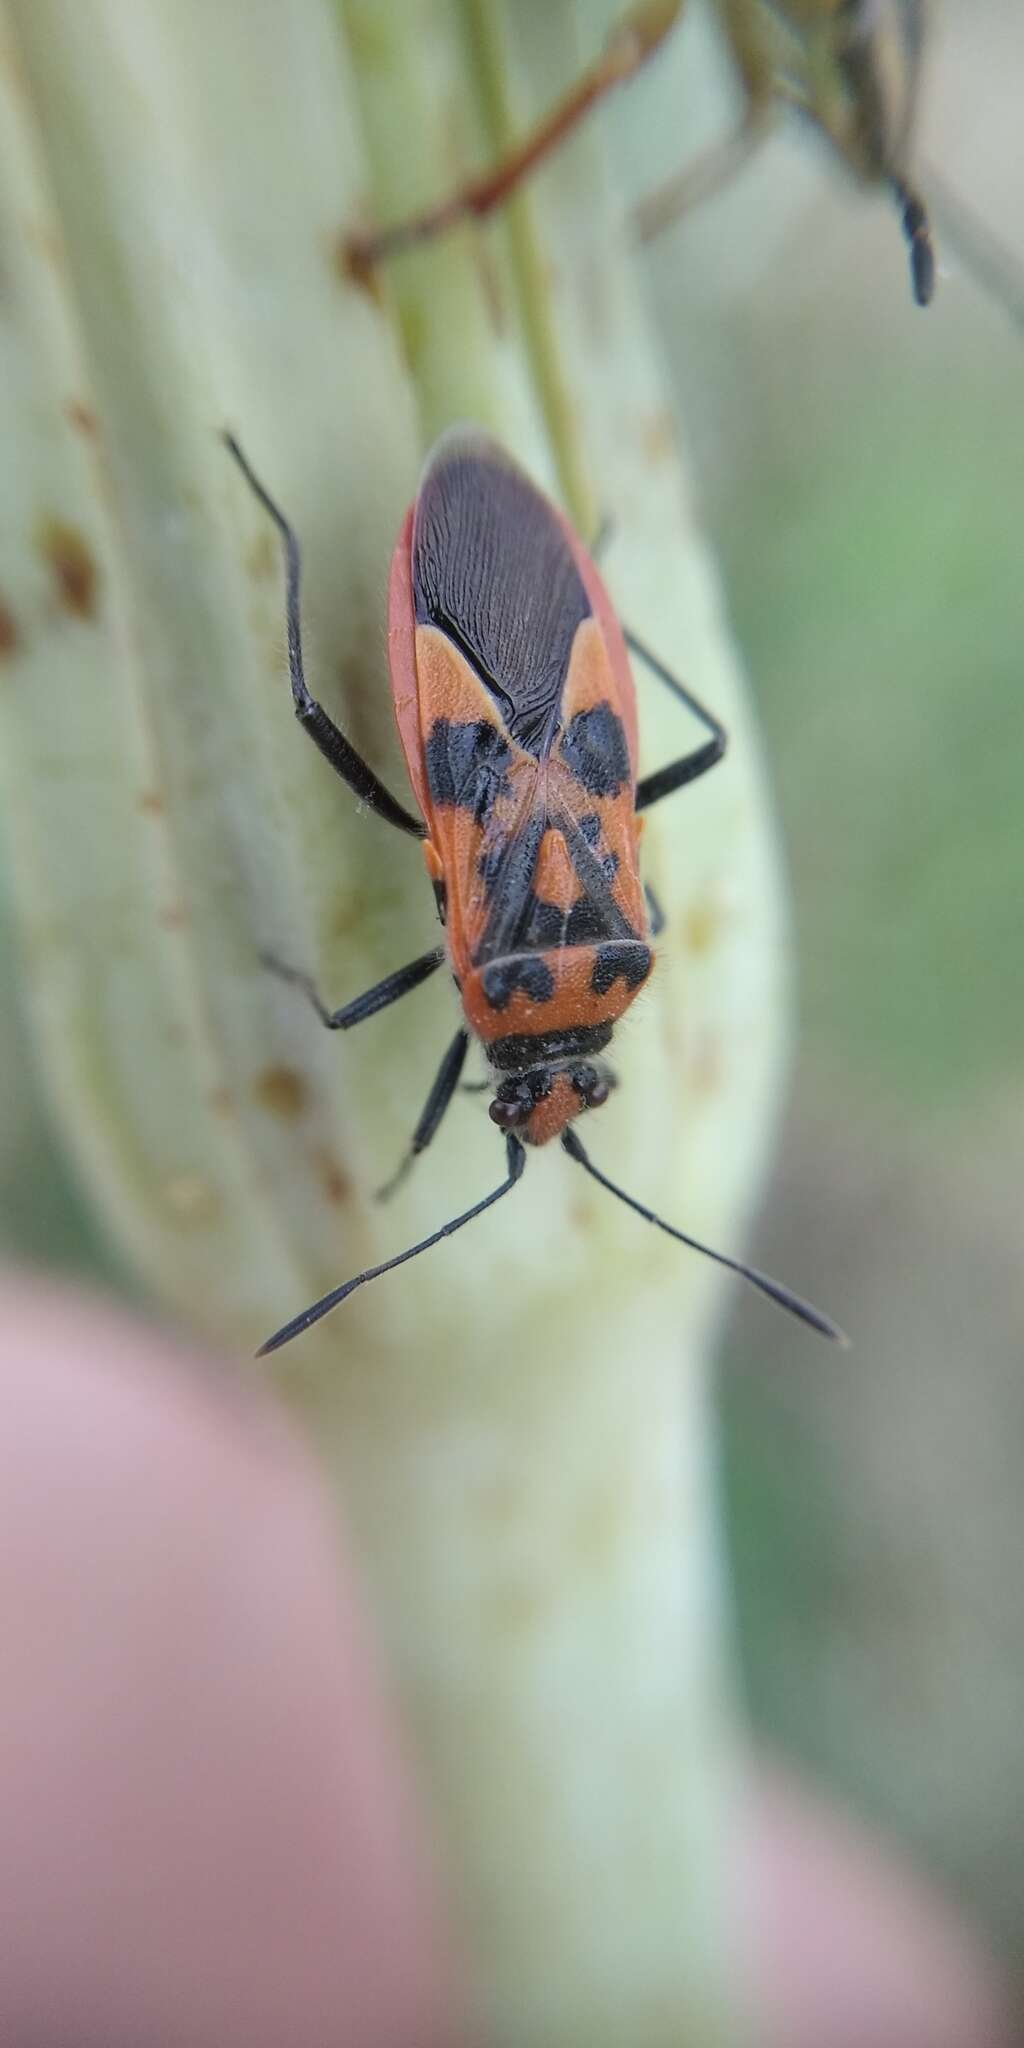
(517, 716)
(516, 712)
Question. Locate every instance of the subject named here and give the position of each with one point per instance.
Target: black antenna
(516, 1161)
(772, 1288)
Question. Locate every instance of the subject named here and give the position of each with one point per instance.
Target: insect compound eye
(517, 1098)
(592, 1087)
(509, 1115)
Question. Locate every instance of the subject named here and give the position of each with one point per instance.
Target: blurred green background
(861, 471)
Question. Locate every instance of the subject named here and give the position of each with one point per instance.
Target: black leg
(445, 1083)
(332, 744)
(651, 788)
(654, 911)
(918, 233)
(401, 983)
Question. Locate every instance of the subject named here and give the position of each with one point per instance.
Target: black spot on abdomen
(626, 960)
(501, 978)
(466, 765)
(548, 924)
(594, 750)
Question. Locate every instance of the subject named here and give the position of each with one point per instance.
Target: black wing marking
(492, 568)
(507, 867)
(602, 912)
(519, 920)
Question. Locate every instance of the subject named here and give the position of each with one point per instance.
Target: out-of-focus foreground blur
(861, 469)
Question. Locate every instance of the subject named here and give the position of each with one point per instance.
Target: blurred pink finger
(205, 1834)
(847, 1949)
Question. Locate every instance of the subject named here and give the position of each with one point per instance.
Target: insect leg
(393, 986)
(707, 175)
(322, 730)
(630, 43)
(918, 236)
(654, 911)
(651, 788)
(446, 1080)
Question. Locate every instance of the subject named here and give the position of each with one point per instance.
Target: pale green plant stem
(518, 1426)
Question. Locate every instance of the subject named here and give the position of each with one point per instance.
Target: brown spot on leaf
(222, 1102)
(151, 803)
(703, 922)
(347, 915)
(82, 417)
(174, 917)
(658, 434)
(67, 555)
(336, 1184)
(283, 1091)
(261, 556)
(8, 633)
(707, 1067)
(191, 1198)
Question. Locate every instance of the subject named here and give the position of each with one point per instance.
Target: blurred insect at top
(851, 69)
